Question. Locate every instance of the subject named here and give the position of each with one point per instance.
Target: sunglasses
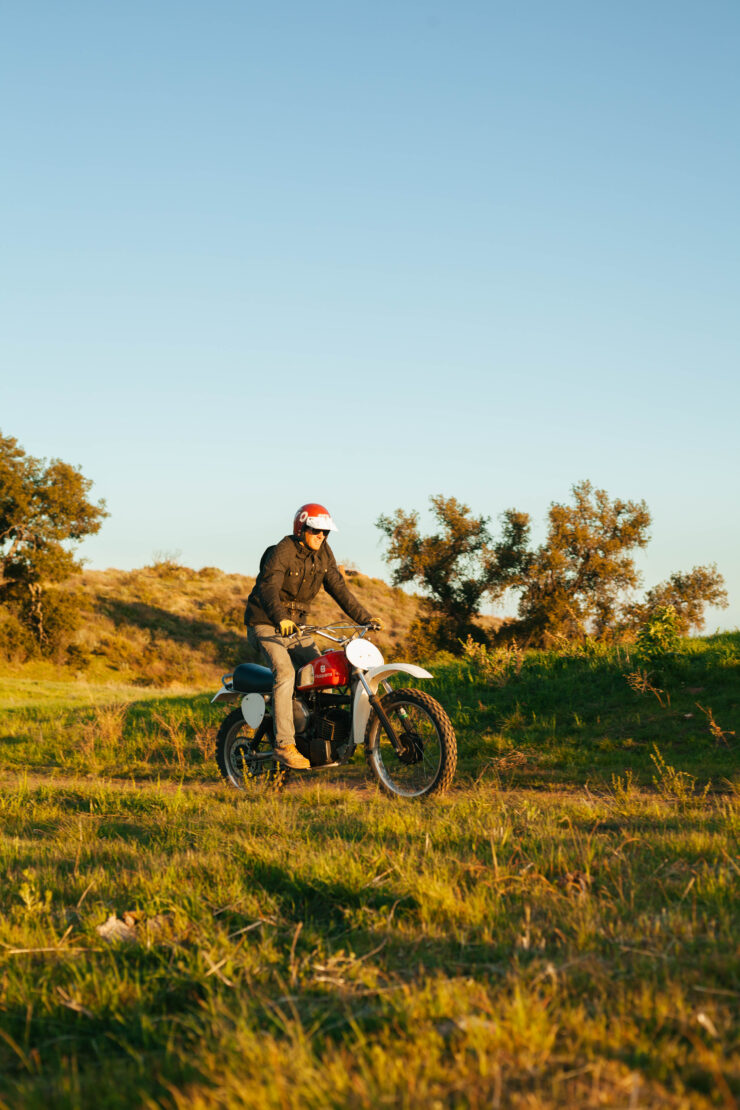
(317, 531)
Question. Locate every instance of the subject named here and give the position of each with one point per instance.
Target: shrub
(659, 636)
(17, 643)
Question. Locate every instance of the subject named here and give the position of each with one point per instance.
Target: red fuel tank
(332, 669)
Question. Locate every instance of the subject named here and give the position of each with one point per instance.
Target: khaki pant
(284, 660)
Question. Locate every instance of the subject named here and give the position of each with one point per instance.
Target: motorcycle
(408, 739)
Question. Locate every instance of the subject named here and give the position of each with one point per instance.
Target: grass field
(560, 930)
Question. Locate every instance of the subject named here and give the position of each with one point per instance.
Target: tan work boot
(289, 756)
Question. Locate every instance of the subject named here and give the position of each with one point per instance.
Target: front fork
(382, 715)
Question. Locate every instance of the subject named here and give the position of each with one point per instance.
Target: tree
(577, 583)
(447, 566)
(43, 506)
(688, 593)
(456, 567)
(573, 584)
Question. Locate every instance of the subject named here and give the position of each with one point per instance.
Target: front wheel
(244, 754)
(427, 756)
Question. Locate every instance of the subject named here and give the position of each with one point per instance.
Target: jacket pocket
(312, 584)
(291, 583)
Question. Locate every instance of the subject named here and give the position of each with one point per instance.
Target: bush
(659, 635)
(17, 643)
(433, 632)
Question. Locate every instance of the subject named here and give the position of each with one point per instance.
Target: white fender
(374, 676)
(226, 695)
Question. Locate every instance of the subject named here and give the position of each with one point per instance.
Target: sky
(361, 253)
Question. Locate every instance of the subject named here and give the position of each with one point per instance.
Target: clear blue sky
(362, 253)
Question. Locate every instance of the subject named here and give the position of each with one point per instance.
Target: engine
(322, 728)
(301, 716)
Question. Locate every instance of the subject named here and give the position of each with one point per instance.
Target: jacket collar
(303, 550)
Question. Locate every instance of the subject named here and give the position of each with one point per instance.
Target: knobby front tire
(428, 757)
(236, 746)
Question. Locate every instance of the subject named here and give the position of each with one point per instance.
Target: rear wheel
(242, 753)
(427, 757)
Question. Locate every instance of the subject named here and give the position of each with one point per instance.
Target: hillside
(168, 624)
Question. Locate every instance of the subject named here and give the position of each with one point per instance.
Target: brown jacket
(290, 576)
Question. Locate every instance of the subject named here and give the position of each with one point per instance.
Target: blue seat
(251, 678)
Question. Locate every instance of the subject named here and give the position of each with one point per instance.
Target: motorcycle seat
(251, 678)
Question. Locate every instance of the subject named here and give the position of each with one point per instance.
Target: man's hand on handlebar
(288, 628)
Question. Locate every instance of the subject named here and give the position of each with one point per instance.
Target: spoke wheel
(426, 760)
(237, 750)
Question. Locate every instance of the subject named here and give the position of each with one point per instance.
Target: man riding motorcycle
(291, 574)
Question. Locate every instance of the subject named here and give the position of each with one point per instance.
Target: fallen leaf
(116, 930)
(706, 1023)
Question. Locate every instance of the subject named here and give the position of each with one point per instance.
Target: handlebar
(359, 630)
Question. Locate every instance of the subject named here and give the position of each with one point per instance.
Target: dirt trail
(352, 779)
(53, 778)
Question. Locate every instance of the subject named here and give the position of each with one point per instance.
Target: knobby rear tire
(428, 762)
(235, 741)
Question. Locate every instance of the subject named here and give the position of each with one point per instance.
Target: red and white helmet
(313, 516)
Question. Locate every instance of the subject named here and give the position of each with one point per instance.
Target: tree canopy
(579, 581)
(43, 507)
(457, 566)
(446, 565)
(575, 579)
(687, 593)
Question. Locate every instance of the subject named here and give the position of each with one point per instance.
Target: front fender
(361, 709)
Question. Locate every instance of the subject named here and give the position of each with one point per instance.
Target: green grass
(559, 931)
(38, 696)
(573, 717)
(541, 719)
